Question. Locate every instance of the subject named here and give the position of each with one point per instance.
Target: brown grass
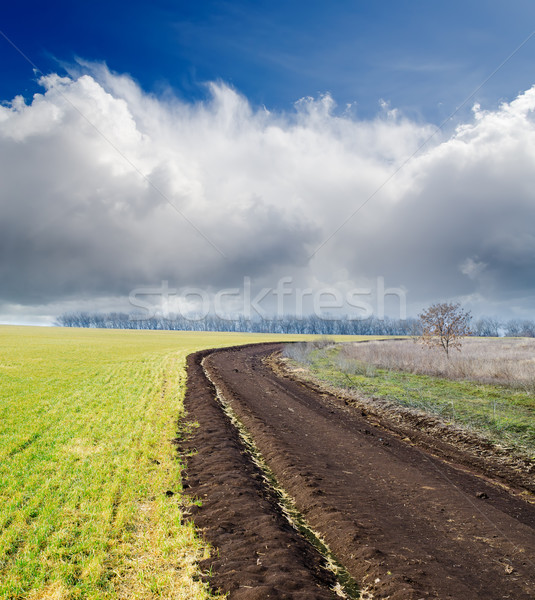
(505, 361)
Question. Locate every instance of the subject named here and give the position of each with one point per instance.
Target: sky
(231, 146)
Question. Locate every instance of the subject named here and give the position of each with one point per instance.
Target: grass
(86, 461)
(505, 361)
(503, 412)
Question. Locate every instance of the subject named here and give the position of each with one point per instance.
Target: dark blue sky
(423, 57)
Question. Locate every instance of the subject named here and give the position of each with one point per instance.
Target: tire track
(259, 555)
(404, 523)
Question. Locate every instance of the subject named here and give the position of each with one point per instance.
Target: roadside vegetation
(90, 482)
(488, 387)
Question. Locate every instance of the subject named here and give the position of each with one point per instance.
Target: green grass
(505, 414)
(86, 423)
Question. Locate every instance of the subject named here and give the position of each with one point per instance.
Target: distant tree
(487, 327)
(445, 325)
(520, 328)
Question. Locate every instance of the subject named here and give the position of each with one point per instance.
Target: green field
(87, 419)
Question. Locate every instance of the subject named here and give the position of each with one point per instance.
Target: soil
(512, 467)
(406, 520)
(259, 554)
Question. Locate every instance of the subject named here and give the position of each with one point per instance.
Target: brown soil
(405, 522)
(508, 466)
(259, 555)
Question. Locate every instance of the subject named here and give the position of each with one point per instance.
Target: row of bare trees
(289, 324)
(310, 324)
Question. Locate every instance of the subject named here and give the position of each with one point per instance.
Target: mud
(259, 555)
(406, 522)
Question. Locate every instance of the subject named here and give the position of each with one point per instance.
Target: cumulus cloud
(105, 188)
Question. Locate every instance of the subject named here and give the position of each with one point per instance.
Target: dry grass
(507, 361)
(488, 387)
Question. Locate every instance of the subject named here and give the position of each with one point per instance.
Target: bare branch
(445, 325)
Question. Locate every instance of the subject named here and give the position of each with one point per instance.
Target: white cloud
(471, 267)
(81, 217)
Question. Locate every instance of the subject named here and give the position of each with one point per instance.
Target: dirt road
(405, 524)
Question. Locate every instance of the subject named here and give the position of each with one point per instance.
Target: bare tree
(520, 328)
(444, 325)
(487, 327)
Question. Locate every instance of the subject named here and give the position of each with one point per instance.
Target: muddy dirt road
(405, 524)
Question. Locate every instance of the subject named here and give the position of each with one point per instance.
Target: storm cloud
(105, 188)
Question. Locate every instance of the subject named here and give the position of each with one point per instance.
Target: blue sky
(423, 57)
(210, 143)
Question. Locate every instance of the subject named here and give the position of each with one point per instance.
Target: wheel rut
(258, 553)
(404, 523)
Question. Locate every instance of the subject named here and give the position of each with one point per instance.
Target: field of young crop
(90, 484)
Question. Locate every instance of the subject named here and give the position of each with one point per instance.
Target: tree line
(311, 324)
